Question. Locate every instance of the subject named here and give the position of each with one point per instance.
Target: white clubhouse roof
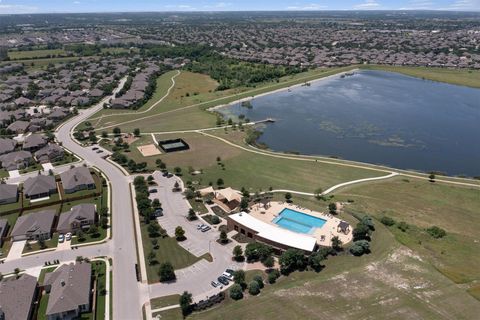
(275, 234)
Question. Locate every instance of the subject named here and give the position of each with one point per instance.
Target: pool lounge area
(285, 225)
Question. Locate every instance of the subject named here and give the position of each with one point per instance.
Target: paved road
(126, 295)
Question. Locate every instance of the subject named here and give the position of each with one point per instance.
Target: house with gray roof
(77, 179)
(79, 217)
(18, 126)
(39, 187)
(17, 297)
(3, 230)
(7, 145)
(8, 194)
(70, 289)
(49, 153)
(16, 160)
(34, 226)
(34, 142)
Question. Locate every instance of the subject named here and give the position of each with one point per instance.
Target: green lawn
(42, 308)
(169, 250)
(33, 54)
(464, 77)
(11, 206)
(166, 301)
(44, 271)
(49, 244)
(4, 173)
(53, 198)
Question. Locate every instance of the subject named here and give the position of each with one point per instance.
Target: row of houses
(42, 186)
(69, 290)
(13, 158)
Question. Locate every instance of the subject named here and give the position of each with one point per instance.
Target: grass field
(164, 301)
(33, 54)
(392, 281)
(423, 204)
(169, 250)
(464, 77)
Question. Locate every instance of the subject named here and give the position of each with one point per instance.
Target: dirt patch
(129, 138)
(149, 150)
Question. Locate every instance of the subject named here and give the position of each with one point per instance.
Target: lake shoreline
(250, 98)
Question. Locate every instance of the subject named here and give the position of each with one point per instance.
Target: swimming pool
(298, 221)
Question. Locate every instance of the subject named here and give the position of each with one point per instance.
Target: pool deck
(326, 232)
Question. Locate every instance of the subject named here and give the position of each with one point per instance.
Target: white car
(228, 276)
(61, 238)
(68, 236)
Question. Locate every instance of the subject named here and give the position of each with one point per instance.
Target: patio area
(267, 211)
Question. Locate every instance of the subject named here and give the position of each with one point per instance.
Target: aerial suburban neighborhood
(239, 160)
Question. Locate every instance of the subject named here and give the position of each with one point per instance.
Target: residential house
(39, 187)
(79, 217)
(19, 126)
(3, 232)
(34, 226)
(77, 179)
(8, 193)
(17, 297)
(7, 145)
(34, 142)
(16, 160)
(49, 153)
(70, 288)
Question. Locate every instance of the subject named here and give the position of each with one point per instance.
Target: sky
(44, 6)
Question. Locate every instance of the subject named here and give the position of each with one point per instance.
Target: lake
(376, 117)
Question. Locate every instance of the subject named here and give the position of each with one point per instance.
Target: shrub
(166, 272)
(292, 260)
(259, 280)
(236, 292)
(403, 226)
(253, 288)
(436, 232)
(387, 221)
(360, 247)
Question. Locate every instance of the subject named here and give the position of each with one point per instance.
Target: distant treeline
(228, 72)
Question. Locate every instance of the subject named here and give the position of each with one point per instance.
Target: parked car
(230, 271)
(95, 148)
(228, 276)
(99, 151)
(223, 280)
(61, 238)
(158, 212)
(68, 236)
(169, 175)
(200, 226)
(152, 191)
(205, 228)
(216, 284)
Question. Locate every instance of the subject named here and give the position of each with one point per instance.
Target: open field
(391, 281)
(464, 77)
(33, 54)
(424, 204)
(164, 301)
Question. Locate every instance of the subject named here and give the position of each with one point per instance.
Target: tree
(315, 261)
(288, 197)
(177, 170)
(153, 229)
(166, 272)
(136, 132)
(387, 221)
(237, 253)
(268, 262)
(318, 193)
(192, 215)
(117, 131)
(93, 231)
(257, 251)
(361, 232)
(156, 203)
(244, 203)
(258, 278)
(80, 236)
(104, 134)
(336, 243)
(292, 260)
(16, 271)
(253, 288)
(236, 292)
(360, 247)
(223, 237)
(431, 177)
(273, 276)
(215, 219)
(220, 182)
(150, 179)
(151, 257)
(179, 233)
(185, 302)
(332, 208)
(239, 278)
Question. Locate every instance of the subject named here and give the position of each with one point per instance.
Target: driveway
(16, 250)
(47, 166)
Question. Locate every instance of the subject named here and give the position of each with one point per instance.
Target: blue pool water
(298, 221)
